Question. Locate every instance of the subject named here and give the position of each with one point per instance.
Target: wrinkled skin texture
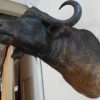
(75, 53)
(24, 39)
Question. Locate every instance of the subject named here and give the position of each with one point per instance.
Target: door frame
(17, 9)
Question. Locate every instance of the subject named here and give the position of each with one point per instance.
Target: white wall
(27, 2)
(55, 87)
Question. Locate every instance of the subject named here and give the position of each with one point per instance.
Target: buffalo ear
(57, 32)
(51, 29)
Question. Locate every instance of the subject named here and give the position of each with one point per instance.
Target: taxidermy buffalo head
(75, 53)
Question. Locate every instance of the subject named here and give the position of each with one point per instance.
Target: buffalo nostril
(0, 25)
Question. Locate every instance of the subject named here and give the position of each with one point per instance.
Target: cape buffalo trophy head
(35, 30)
(75, 53)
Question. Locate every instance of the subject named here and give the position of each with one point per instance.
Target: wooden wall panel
(8, 77)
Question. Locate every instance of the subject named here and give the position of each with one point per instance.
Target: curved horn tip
(67, 3)
(77, 12)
